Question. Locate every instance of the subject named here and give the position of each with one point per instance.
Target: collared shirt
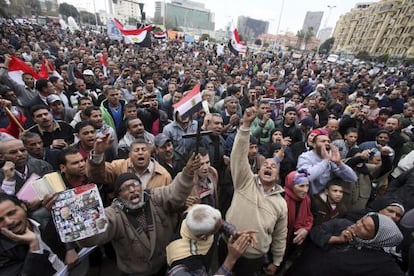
(57, 264)
(261, 188)
(145, 177)
(43, 99)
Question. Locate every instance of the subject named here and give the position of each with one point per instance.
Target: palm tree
(301, 36)
(308, 36)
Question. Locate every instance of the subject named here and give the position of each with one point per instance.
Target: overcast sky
(293, 14)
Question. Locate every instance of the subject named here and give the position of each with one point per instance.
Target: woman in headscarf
(300, 218)
(298, 201)
(341, 247)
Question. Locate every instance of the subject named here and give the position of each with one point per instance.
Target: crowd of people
(241, 186)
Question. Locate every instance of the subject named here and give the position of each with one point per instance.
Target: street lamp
(328, 15)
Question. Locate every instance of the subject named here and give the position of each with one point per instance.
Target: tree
(68, 10)
(363, 55)
(34, 7)
(383, 58)
(88, 17)
(301, 36)
(326, 46)
(258, 42)
(308, 36)
(204, 37)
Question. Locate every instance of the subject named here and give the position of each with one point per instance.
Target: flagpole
(11, 115)
(198, 137)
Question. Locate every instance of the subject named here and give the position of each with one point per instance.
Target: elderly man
(142, 222)
(258, 198)
(139, 162)
(12, 179)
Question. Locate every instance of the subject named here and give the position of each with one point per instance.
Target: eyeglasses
(128, 187)
(332, 117)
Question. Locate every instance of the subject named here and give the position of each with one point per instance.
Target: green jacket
(106, 114)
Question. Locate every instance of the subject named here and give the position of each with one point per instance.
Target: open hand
(28, 237)
(335, 156)
(300, 236)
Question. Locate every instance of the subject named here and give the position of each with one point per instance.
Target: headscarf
(303, 218)
(387, 233)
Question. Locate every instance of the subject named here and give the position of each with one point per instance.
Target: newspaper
(79, 213)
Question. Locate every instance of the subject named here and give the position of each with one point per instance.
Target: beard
(133, 206)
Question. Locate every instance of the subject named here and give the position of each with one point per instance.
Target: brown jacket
(136, 253)
(107, 173)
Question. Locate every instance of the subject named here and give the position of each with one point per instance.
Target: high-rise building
(385, 27)
(324, 34)
(187, 15)
(159, 12)
(251, 28)
(312, 20)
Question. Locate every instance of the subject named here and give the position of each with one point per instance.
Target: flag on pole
(47, 67)
(104, 62)
(190, 103)
(139, 36)
(159, 35)
(17, 67)
(236, 46)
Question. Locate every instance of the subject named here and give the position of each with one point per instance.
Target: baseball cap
(87, 72)
(161, 139)
(52, 98)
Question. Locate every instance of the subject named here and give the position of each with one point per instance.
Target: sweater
(320, 171)
(251, 209)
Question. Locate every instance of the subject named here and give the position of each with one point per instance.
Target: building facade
(385, 27)
(251, 28)
(124, 10)
(312, 20)
(187, 15)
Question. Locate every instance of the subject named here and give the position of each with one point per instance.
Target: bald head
(332, 125)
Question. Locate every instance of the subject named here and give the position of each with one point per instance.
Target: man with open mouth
(142, 221)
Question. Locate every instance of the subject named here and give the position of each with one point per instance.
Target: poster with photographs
(278, 107)
(79, 213)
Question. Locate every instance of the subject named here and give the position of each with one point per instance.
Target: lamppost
(328, 15)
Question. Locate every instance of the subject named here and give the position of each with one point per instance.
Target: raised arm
(173, 196)
(239, 163)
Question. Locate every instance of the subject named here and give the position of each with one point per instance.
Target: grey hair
(202, 219)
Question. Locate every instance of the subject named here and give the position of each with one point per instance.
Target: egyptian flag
(139, 36)
(48, 66)
(17, 67)
(159, 35)
(236, 46)
(104, 62)
(190, 103)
